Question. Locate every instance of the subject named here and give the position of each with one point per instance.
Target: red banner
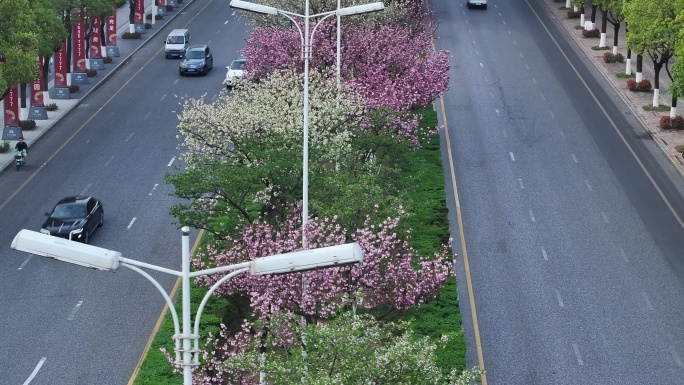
(95, 32)
(37, 85)
(139, 11)
(161, 3)
(61, 66)
(111, 29)
(79, 48)
(12, 107)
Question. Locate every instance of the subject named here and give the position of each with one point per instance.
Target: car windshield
(68, 211)
(194, 55)
(237, 65)
(175, 40)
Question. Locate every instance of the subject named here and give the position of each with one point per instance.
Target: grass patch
(662, 107)
(597, 48)
(680, 149)
(623, 75)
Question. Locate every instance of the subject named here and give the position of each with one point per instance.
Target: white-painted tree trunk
(673, 112)
(628, 66)
(602, 42)
(131, 27)
(581, 20)
(568, 3)
(615, 50)
(639, 76)
(575, 9)
(656, 96)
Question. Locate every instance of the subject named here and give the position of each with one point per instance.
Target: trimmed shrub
(148, 25)
(169, 8)
(5, 146)
(668, 123)
(74, 88)
(107, 59)
(590, 33)
(642, 86)
(27, 125)
(158, 17)
(128, 35)
(51, 107)
(91, 73)
(574, 15)
(609, 57)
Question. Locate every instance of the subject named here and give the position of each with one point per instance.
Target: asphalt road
(569, 216)
(72, 325)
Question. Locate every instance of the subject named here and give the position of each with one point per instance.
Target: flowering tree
(347, 350)
(244, 152)
(391, 274)
(389, 65)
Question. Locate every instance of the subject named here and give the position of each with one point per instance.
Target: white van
(177, 42)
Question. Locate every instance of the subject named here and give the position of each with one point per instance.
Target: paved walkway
(127, 47)
(666, 140)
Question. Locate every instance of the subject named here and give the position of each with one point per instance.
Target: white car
(476, 4)
(235, 72)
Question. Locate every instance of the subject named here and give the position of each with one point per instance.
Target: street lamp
(307, 39)
(103, 259)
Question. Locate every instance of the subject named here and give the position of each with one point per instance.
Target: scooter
(19, 158)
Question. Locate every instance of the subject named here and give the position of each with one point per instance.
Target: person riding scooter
(22, 148)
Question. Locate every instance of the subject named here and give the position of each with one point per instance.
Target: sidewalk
(127, 47)
(666, 140)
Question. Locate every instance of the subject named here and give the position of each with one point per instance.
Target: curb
(123, 60)
(607, 76)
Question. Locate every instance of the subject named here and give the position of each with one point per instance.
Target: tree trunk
(639, 74)
(22, 92)
(593, 14)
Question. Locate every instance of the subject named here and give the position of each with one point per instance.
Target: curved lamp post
(306, 37)
(103, 259)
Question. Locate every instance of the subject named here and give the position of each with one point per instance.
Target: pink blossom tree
(392, 273)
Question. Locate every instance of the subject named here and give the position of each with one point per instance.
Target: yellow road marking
(466, 265)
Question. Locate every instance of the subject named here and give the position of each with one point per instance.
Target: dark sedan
(74, 218)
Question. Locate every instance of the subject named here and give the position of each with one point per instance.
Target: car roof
(197, 47)
(239, 60)
(75, 199)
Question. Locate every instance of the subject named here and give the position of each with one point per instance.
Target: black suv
(196, 60)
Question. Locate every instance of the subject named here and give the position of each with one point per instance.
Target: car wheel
(485, 6)
(101, 220)
(181, 73)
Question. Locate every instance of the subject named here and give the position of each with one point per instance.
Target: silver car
(235, 72)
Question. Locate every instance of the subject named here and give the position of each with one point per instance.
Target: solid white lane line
(164, 96)
(560, 300)
(25, 262)
(624, 256)
(546, 257)
(574, 158)
(75, 310)
(109, 161)
(130, 224)
(534, 80)
(147, 115)
(86, 188)
(225, 22)
(35, 371)
(527, 67)
(129, 137)
(552, 115)
(588, 185)
(512, 156)
(154, 188)
(577, 354)
(522, 186)
(605, 217)
(532, 216)
(171, 162)
(521, 54)
(648, 301)
(543, 97)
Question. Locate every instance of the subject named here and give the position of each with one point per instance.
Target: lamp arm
(169, 303)
(221, 269)
(204, 302)
(133, 262)
(313, 31)
(291, 16)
